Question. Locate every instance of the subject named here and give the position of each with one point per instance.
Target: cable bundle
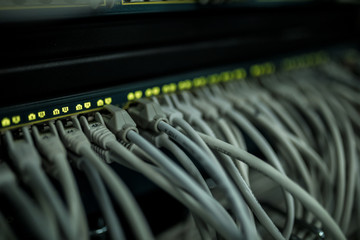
(268, 158)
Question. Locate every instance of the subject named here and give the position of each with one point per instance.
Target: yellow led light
(197, 82)
(16, 119)
(87, 104)
(269, 68)
(213, 78)
(165, 88)
(78, 107)
(155, 91)
(181, 85)
(56, 111)
(240, 73)
(148, 92)
(130, 96)
(255, 70)
(100, 103)
(41, 114)
(31, 116)
(172, 87)
(65, 109)
(138, 94)
(108, 100)
(5, 122)
(225, 76)
(188, 84)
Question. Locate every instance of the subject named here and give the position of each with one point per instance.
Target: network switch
(30, 113)
(204, 142)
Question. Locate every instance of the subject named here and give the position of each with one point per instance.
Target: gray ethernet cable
(99, 134)
(154, 120)
(28, 162)
(28, 211)
(50, 146)
(111, 220)
(298, 192)
(75, 140)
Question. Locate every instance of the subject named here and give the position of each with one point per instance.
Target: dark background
(52, 58)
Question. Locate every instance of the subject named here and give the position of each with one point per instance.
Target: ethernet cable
(287, 93)
(351, 155)
(99, 134)
(5, 230)
(271, 108)
(298, 192)
(254, 205)
(317, 233)
(283, 115)
(176, 118)
(224, 224)
(49, 144)
(313, 158)
(28, 162)
(208, 215)
(101, 195)
(76, 141)
(210, 113)
(236, 140)
(353, 115)
(149, 116)
(353, 171)
(259, 212)
(192, 115)
(308, 152)
(345, 126)
(341, 163)
(163, 141)
(161, 178)
(264, 219)
(288, 146)
(204, 230)
(227, 110)
(28, 212)
(202, 158)
(288, 100)
(358, 200)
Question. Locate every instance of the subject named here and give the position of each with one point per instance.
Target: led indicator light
(240, 73)
(16, 119)
(138, 94)
(87, 104)
(31, 116)
(255, 70)
(225, 76)
(100, 103)
(155, 91)
(148, 92)
(79, 107)
(172, 87)
(41, 114)
(65, 109)
(108, 100)
(56, 111)
(5, 122)
(165, 89)
(130, 96)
